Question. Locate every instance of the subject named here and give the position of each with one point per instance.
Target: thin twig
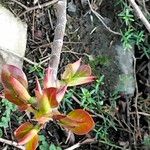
(77, 145)
(101, 20)
(138, 132)
(33, 24)
(128, 118)
(140, 14)
(19, 3)
(144, 5)
(50, 20)
(141, 113)
(12, 143)
(28, 9)
(58, 34)
(90, 110)
(76, 53)
(42, 5)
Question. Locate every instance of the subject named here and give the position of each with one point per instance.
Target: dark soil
(85, 34)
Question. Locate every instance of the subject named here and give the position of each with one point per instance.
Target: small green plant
(132, 37)
(102, 131)
(127, 38)
(127, 16)
(87, 99)
(93, 99)
(44, 106)
(100, 61)
(139, 37)
(67, 103)
(7, 108)
(45, 146)
(38, 70)
(146, 141)
(53, 147)
(146, 51)
(133, 34)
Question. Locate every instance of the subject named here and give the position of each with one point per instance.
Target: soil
(89, 39)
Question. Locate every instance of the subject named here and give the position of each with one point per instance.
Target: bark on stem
(58, 34)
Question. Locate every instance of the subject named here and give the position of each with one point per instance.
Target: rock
(72, 8)
(13, 36)
(126, 78)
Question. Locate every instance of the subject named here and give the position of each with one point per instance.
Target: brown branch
(12, 143)
(59, 34)
(140, 14)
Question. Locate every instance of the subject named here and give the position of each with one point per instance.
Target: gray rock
(13, 36)
(126, 78)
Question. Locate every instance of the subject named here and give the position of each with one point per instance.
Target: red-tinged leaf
(60, 93)
(12, 71)
(47, 101)
(38, 90)
(33, 143)
(28, 137)
(66, 121)
(80, 80)
(22, 129)
(58, 116)
(78, 121)
(43, 105)
(26, 132)
(51, 94)
(42, 119)
(12, 98)
(20, 103)
(77, 76)
(84, 70)
(49, 79)
(25, 107)
(70, 70)
(18, 89)
(38, 87)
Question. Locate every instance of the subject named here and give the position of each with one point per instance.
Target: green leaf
(7, 109)
(1, 133)
(44, 145)
(53, 147)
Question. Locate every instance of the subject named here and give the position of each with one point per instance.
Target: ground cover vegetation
(121, 121)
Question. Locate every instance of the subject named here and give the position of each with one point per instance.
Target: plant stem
(58, 35)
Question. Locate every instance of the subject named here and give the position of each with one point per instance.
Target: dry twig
(101, 20)
(28, 9)
(140, 14)
(137, 129)
(12, 143)
(77, 145)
